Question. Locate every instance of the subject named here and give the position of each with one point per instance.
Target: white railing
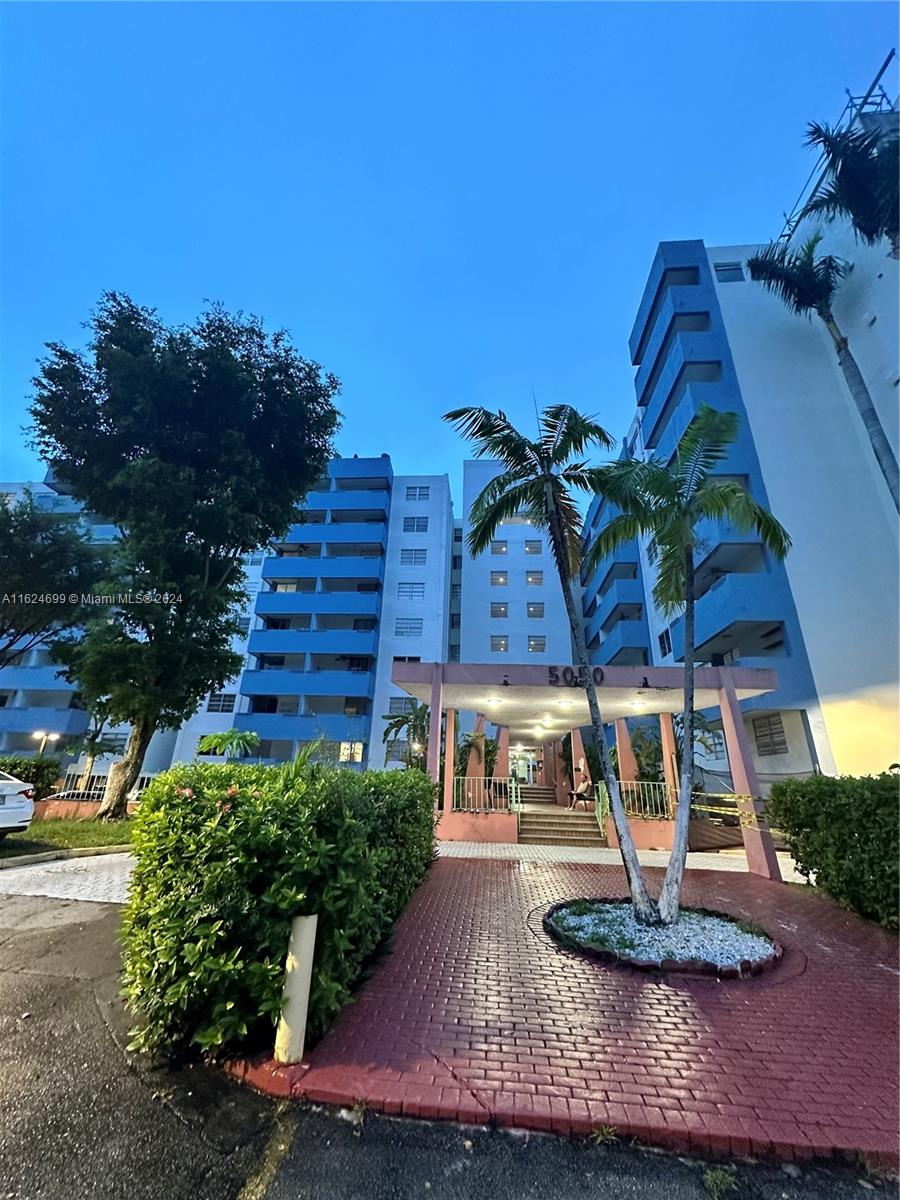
(476, 793)
(651, 801)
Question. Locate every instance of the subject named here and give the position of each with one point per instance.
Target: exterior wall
(433, 608)
(823, 482)
(477, 625)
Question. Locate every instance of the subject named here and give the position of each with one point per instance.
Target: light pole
(44, 738)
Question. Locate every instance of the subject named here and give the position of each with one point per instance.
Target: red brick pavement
(477, 1016)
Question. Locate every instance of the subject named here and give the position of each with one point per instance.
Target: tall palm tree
(540, 478)
(413, 723)
(807, 284)
(862, 182)
(664, 503)
(233, 743)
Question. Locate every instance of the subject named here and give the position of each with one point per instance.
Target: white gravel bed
(693, 936)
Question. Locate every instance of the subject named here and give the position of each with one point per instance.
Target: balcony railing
(652, 801)
(475, 793)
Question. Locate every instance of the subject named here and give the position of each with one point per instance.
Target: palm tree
(233, 743)
(485, 751)
(861, 182)
(807, 285)
(664, 503)
(413, 722)
(539, 478)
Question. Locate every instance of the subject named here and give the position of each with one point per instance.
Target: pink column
(760, 851)
(475, 764)
(501, 767)
(560, 775)
(578, 755)
(449, 759)
(628, 768)
(669, 756)
(434, 727)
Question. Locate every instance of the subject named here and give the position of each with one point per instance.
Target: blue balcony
(362, 498)
(679, 300)
(686, 350)
(351, 567)
(737, 598)
(355, 642)
(281, 682)
(627, 644)
(63, 721)
(34, 679)
(366, 532)
(333, 727)
(623, 591)
(286, 604)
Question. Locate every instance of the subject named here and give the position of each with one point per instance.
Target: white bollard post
(291, 1033)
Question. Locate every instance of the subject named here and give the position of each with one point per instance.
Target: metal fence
(658, 801)
(477, 793)
(96, 786)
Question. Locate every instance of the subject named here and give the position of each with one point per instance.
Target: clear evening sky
(445, 204)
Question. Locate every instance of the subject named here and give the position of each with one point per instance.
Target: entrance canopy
(538, 704)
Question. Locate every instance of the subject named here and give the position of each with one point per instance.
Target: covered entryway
(533, 790)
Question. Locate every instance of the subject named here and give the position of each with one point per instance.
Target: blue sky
(445, 204)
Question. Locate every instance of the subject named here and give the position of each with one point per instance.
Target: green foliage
(719, 1182)
(861, 181)
(43, 554)
(58, 833)
(845, 833)
(232, 743)
(802, 279)
(226, 856)
(605, 1135)
(411, 726)
(43, 772)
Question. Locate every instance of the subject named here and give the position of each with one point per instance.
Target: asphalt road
(81, 1118)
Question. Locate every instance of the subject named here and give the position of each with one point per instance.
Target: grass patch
(65, 835)
(719, 1182)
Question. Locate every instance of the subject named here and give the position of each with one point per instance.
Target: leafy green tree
(94, 745)
(232, 743)
(43, 554)
(807, 283)
(540, 478)
(412, 727)
(664, 503)
(198, 442)
(485, 751)
(862, 182)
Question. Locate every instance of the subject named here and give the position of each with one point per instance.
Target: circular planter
(695, 966)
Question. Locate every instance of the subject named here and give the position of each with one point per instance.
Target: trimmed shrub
(42, 772)
(844, 832)
(226, 856)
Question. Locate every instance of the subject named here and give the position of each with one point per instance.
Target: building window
(396, 750)
(221, 702)
(457, 535)
(731, 656)
(400, 704)
(729, 272)
(358, 664)
(407, 658)
(499, 643)
(410, 591)
(535, 610)
(715, 743)
(363, 624)
(244, 625)
(537, 645)
(500, 610)
(350, 752)
(455, 620)
(417, 493)
(499, 579)
(534, 547)
(534, 578)
(499, 547)
(413, 558)
(455, 591)
(665, 643)
(456, 563)
(769, 734)
(454, 653)
(252, 588)
(408, 627)
(415, 524)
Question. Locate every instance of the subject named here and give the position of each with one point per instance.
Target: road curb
(25, 860)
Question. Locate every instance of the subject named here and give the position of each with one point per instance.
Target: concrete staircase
(532, 793)
(559, 827)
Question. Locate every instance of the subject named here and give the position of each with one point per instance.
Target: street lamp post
(44, 738)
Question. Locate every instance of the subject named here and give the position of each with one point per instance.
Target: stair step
(533, 840)
(573, 822)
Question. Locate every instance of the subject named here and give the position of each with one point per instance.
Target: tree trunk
(124, 774)
(85, 778)
(644, 906)
(862, 398)
(670, 895)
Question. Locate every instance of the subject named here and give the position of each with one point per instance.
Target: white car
(16, 804)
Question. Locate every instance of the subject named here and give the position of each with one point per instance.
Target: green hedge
(845, 832)
(226, 855)
(42, 772)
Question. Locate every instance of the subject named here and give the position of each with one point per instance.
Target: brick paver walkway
(476, 1015)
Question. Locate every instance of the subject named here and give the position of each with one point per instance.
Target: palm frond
(565, 431)
(704, 444)
(729, 500)
(493, 436)
(570, 522)
(669, 555)
(804, 283)
(497, 503)
(615, 533)
(631, 484)
(862, 180)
